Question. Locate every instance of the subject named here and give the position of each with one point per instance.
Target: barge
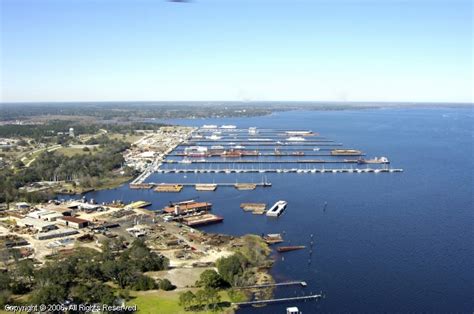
(283, 249)
(168, 188)
(346, 152)
(272, 238)
(200, 220)
(206, 187)
(245, 186)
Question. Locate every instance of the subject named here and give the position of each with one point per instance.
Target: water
(384, 242)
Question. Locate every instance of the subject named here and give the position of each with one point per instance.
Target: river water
(384, 242)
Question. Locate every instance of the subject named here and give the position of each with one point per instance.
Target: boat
(381, 160)
(295, 139)
(206, 187)
(232, 153)
(245, 186)
(316, 149)
(185, 161)
(297, 154)
(209, 126)
(253, 131)
(196, 151)
(260, 140)
(346, 152)
(230, 126)
(283, 249)
(213, 137)
(163, 187)
(272, 238)
(299, 133)
(277, 209)
(250, 153)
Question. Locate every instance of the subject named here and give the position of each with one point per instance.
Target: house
(73, 222)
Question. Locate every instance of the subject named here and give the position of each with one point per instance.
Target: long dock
(240, 161)
(260, 184)
(267, 144)
(274, 170)
(289, 283)
(308, 297)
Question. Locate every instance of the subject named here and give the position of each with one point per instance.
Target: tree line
(84, 277)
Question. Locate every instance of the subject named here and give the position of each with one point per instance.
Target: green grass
(166, 302)
(72, 151)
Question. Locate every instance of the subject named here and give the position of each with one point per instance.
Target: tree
(211, 279)
(230, 266)
(143, 283)
(50, 294)
(186, 299)
(166, 285)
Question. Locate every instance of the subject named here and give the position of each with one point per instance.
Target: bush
(211, 279)
(166, 285)
(143, 283)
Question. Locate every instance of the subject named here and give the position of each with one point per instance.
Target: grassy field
(125, 137)
(166, 302)
(72, 151)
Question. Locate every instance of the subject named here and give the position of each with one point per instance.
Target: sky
(296, 50)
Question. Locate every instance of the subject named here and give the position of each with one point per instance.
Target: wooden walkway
(289, 283)
(308, 297)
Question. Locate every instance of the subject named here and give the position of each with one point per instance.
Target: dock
(280, 170)
(240, 161)
(308, 297)
(279, 284)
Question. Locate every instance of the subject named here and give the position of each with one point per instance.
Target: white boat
(253, 130)
(295, 139)
(213, 137)
(316, 149)
(238, 147)
(185, 161)
(260, 139)
(277, 209)
(228, 126)
(209, 126)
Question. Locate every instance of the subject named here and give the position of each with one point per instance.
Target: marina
(253, 151)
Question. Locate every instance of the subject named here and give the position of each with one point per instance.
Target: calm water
(386, 242)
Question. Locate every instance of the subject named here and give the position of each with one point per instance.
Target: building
(44, 214)
(40, 225)
(292, 310)
(71, 132)
(56, 234)
(73, 222)
(22, 205)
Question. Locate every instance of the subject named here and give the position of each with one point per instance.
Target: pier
(260, 184)
(308, 297)
(240, 161)
(279, 170)
(289, 283)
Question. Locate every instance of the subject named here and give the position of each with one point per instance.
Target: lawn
(165, 302)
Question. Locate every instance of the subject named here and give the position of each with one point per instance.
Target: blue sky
(104, 50)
